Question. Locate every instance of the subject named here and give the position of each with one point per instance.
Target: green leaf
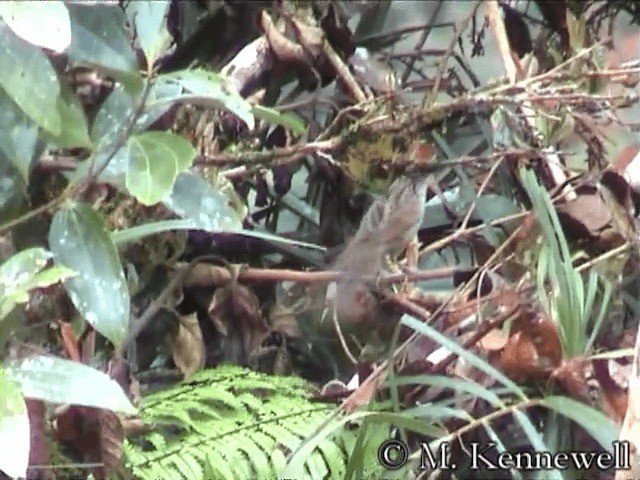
(195, 199)
(112, 115)
(47, 26)
(22, 273)
(117, 110)
(58, 380)
(14, 429)
(598, 425)
(12, 190)
(18, 136)
(287, 120)
(155, 160)
(208, 89)
(466, 355)
(75, 130)
(98, 38)
(20, 267)
(31, 81)
(80, 241)
(150, 20)
(577, 28)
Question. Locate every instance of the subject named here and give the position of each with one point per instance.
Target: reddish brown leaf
(519, 358)
(69, 341)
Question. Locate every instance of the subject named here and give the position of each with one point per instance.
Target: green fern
(231, 423)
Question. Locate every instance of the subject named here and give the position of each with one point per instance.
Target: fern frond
(234, 423)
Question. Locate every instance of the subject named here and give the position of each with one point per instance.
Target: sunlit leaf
(208, 89)
(195, 199)
(79, 240)
(14, 429)
(287, 120)
(150, 20)
(47, 26)
(31, 81)
(577, 28)
(155, 160)
(62, 381)
(23, 272)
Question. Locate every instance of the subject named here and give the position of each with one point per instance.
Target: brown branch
(343, 72)
(207, 275)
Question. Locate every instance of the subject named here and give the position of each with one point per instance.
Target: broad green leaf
(115, 171)
(14, 429)
(58, 380)
(80, 241)
(117, 109)
(155, 160)
(114, 112)
(18, 136)
(46, 26)
(287, 120)
(75, 130)
(150, 20)
(195, 199)
(98, 38)
(209, 89)
(31, 81)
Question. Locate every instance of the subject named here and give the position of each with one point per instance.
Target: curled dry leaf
(495, 340)
(520, 360)
(235, 312)
(587, 215)
(188, 348)
(282, 319)
(533, 349)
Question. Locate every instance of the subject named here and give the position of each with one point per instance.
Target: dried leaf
(188, 347)
(235, 312)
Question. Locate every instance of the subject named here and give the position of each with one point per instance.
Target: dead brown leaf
(188, 348)
(235, 312)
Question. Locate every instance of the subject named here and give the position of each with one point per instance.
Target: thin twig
(421, 41)
(343, 73)
(442, 66)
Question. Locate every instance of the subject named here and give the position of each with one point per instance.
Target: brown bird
(386, 229)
